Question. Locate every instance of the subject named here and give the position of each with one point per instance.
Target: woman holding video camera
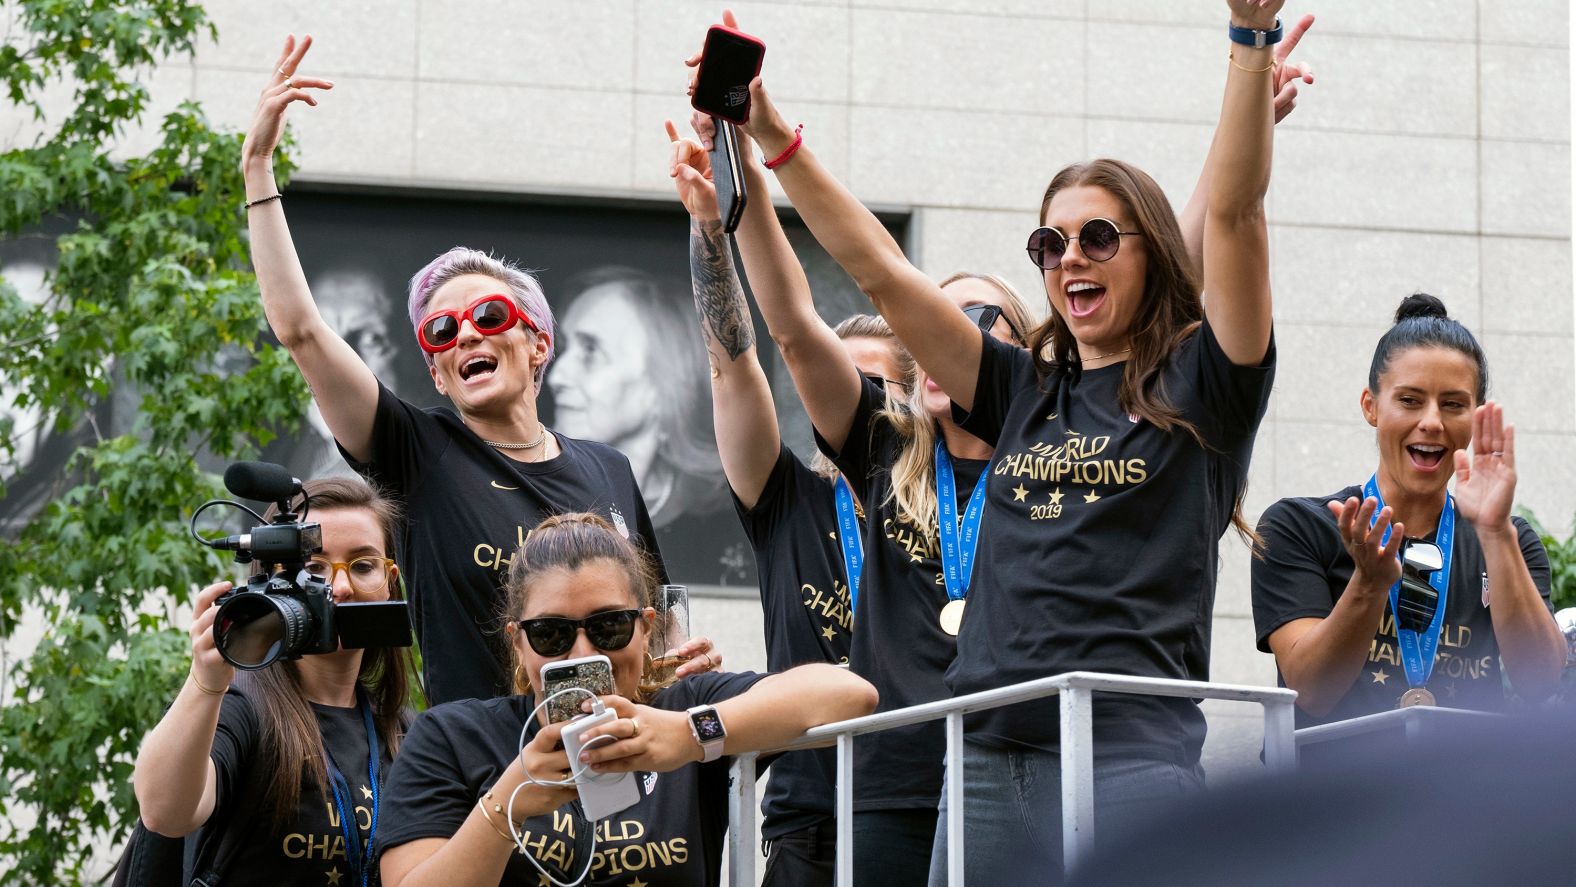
(480, 793)
(1328, 581)
(226, 756)
(472, 479)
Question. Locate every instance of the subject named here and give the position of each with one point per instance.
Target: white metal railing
(1074, 688)
(1414, 721)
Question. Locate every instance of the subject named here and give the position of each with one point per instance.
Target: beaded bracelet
(261, 200)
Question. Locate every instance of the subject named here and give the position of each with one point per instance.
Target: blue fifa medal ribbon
(957, 543)
(361, 864)
(1418, 649)
(848, 536)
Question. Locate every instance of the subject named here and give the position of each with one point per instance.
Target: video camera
(283, 611)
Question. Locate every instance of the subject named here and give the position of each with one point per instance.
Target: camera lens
(252, 630)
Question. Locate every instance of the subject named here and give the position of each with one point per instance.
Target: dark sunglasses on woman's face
(554, 635)
(1098, 238)
(882, 381)
(984, 316)
(491, 314)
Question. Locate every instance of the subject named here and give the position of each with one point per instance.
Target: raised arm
(174, 775)
(742, 410)
(940, 337)
(1287, 73)
(345, 389)
(1236, 238)
(1531, 645)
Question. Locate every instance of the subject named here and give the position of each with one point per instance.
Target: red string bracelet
(793, 147)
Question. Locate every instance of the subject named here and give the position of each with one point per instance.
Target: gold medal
(952, 617)
(1416, 696)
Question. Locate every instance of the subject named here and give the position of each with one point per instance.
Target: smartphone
(728, 62)
(727, 175)
(594, 673)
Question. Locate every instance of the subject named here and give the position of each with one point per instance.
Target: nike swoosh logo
(499, 486)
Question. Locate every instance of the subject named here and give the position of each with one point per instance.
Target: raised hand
(1486, 480)
(284, 87)
(1287, 73)
(1256, 14)
(1377, 562)
(690, 168)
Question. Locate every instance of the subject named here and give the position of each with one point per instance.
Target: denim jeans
(1012, 823)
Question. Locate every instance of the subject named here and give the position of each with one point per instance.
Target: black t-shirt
(804, 593)
(467, 510)
(1305, 568)
(1099, 543)
(311, 849)
(898, 642)
(672, 838)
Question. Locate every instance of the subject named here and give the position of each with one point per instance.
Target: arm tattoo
(719, 298)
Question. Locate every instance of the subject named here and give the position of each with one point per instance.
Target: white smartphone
(601, 794)
(593, 673)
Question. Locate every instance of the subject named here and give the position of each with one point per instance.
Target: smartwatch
(706, 726)
(1254, 37)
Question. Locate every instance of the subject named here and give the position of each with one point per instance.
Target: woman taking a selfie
(1328, 584)
(473, 478)
(283, 766)
(1122, 436)
(457, 811)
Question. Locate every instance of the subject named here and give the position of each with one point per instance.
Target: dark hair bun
(1421, 305)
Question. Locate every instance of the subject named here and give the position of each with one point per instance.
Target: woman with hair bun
(472, 479)
(1327, 585)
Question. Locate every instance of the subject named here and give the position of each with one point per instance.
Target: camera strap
(1418, 648)
(853, 546)
(361, 864)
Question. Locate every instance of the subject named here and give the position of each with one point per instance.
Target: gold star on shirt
(829, 632)
(1450, 690)
(1092, 497)
(1018, 492)
(913, 558)
(1056, 496)
(542, 881)
(1380, 676)
(637, 883)
(366, 792)
(333, 876)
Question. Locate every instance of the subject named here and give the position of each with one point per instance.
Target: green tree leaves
(151, 334)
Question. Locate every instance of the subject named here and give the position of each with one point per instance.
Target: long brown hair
(567, 542)
(289, 739)
(1171, 309)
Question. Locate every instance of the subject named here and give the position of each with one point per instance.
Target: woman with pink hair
(471, 477)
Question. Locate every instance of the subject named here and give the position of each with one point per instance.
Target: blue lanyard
(853, 545)
(343, 801)
(957, 545)
(1417, 650)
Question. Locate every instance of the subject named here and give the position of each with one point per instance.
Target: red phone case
(721, 40)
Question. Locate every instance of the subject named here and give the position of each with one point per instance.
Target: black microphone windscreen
(261, 481)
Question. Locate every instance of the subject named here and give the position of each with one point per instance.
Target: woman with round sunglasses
(331, 722)
(909, 463)
(1328, 584)
(802, 520)
(1122, 436)
(468, 805)
(472, 478)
